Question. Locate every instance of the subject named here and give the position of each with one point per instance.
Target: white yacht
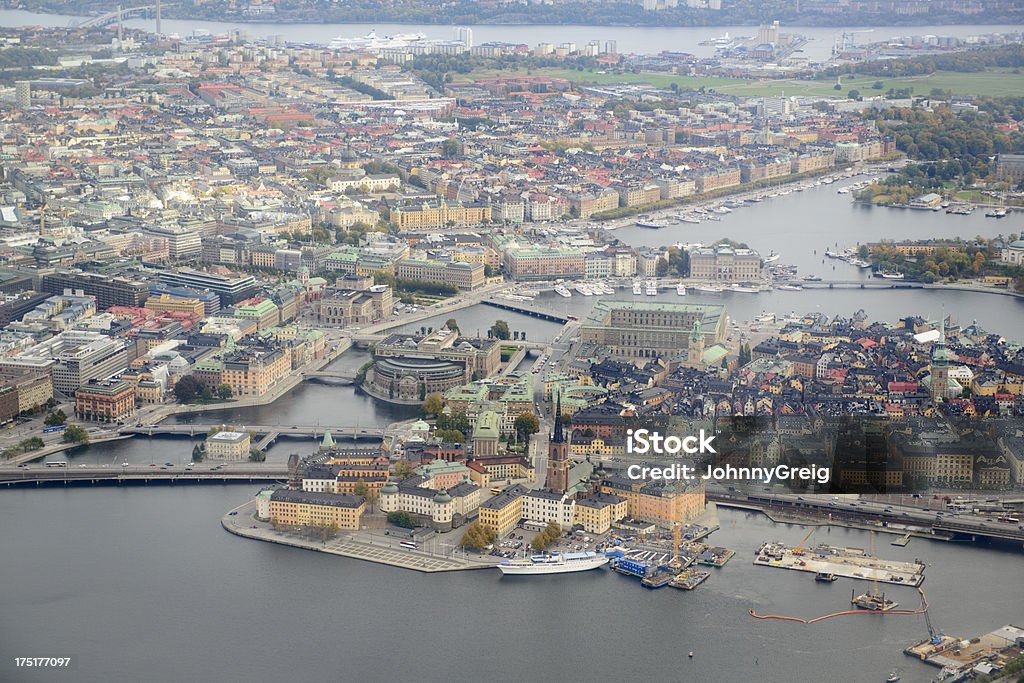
(681, 289)
(562, 290)
(637, 288)
(558, 563)
(651, 289)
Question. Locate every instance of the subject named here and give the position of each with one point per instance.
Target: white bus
(411, 545)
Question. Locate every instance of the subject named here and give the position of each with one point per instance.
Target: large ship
(557, 563)
(371, 41)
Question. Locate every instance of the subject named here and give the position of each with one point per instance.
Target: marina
(850, 563)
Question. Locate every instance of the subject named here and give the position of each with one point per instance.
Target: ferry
(371, 41)
(681, 289)
(708, 289)
(772, 257)
(812, 278)
(562, 290)
(744, 289)
(629, 567)
(638, 288)
(765, 318)
(557, 563)
(584, 289)
(651, 289)
(996, 213)
(790, 288)
(825, 577)
(893, 276)
(654, 225)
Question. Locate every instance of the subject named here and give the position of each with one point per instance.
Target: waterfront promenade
(353, 545)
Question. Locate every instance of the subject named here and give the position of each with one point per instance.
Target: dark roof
(312, 498)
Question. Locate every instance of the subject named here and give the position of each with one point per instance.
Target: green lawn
(993, 82)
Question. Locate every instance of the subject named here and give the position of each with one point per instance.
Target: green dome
(389, 488)
(442, 497)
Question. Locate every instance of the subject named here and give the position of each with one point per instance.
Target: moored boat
(556, 563)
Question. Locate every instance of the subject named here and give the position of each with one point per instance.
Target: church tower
(695, 347)
(942, 359)
(558, 455)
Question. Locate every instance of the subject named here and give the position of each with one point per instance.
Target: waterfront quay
(851, 563)
(241, 521)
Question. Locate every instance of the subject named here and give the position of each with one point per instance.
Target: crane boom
(799, 549)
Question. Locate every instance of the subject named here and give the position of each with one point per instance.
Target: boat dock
(851, 563)
(902, 540)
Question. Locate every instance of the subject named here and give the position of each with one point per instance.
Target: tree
(451, 148)
(403, 468)
(55, 418)
(75, 434)
(661, 268)
(401, 518)
(452, 324)
(478, 536)
(450, 435)
(256, 455)
(526, 424)
(853, 94)
(545, 538)
(197, 453)
(224, 391)
(499, 330)
(433, 404)
(187, 389)
(877, 85)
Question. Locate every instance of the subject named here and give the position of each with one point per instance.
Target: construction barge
(850, 563)
(690, 579)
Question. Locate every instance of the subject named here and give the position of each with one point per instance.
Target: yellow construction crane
(675, 546)
(799, 550)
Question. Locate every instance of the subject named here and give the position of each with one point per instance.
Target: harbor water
(101, 574)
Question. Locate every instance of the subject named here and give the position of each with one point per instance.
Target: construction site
(852, 563)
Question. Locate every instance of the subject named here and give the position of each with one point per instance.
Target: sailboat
(873, 601)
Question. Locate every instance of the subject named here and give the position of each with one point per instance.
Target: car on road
(232, 513)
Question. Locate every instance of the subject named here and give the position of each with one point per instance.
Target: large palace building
(635, 329)
(407, 367)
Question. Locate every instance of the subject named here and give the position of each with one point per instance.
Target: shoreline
(346, 547)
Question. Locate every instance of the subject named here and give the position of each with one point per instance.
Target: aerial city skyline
(460, 320)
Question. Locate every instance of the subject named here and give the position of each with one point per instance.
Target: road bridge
(860, 284)
(297, 431)
(141, 475)
(114, 16)
(527, 309)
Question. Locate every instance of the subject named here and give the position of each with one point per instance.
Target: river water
(143, 584)
(629, 39)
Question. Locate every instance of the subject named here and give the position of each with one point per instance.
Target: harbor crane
(799, 549)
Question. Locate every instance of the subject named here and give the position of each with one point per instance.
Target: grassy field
(986, 83)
